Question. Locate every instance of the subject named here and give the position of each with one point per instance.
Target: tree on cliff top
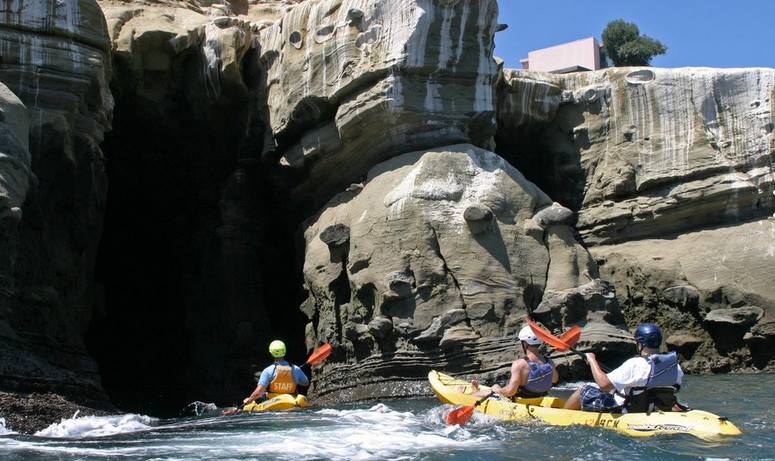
(625, 46)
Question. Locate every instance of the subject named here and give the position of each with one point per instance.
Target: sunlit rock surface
(352, 83)
(671, 173)
(432, 263)
(54, 56)
(648, 151)
(714, 284)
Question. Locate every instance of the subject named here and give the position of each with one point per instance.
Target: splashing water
(96, 426)
(3, 429)
(405, 430)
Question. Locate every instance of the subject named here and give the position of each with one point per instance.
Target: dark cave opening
(549, 154)
(197, 265)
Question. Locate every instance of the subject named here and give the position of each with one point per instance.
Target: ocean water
(402, 429)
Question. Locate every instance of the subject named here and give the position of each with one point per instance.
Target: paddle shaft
(584, 356)
(480, 401)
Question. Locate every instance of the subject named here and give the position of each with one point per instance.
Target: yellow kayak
(278, 402)
(549, 410)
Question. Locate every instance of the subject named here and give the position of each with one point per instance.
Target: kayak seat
(660, 398)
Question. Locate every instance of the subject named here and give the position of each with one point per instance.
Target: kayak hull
(549, 410)
(278, 402)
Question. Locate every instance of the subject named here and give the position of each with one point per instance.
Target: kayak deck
(278, 402)
(549, 410)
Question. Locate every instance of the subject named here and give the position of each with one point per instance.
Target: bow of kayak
(549, 411)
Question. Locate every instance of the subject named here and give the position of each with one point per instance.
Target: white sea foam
(97, 426)
(572, 386)
(4, 430)
(374, 433)
(378, 432)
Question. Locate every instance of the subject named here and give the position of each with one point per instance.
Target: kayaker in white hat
(531, 376)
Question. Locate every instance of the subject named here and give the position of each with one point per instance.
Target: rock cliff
(676, 161)
(54, 56)
(369, 161)
(191, 216)
(432, 263)
(427, 259)
(352, 83)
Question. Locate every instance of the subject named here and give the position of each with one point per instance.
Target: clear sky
(707, 33)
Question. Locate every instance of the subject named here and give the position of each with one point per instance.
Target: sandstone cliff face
(657, 151)
(190, 217)
(236, 121)
(351, 83)
(54, 58)
(666, 155)
(430, 259)
(432, 263)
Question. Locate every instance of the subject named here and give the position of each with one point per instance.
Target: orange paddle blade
(547, 337)
(571, 337)
(318, 355)
(460, 415)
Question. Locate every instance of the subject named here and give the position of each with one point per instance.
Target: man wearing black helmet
(625, 388)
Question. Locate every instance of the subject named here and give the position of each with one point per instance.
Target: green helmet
(277, 348)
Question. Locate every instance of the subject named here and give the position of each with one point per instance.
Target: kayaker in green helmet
(531, 376)
(278, 378)
(640, 384)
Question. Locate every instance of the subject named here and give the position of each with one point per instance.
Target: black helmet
(649, 335)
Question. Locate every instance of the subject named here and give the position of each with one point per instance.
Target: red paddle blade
(318, 355)
(460, 415)
(547, 337)
(571, 337)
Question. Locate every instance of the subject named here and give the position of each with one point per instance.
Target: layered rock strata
(352, 83)
(54, 56)
(431, 263)
(677, 163)
(646, 152)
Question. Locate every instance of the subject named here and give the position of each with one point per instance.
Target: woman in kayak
(620, 389)
(278, 378)
(531, 376)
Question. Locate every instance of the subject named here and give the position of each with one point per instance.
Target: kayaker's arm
(514, 380)
(260, 391)
(598, 374)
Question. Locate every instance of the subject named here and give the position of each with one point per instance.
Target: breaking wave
(97, 426)
(3, 429)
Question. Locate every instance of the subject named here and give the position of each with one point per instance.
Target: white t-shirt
(633, 373)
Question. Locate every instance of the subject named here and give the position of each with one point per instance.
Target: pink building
(574, 56)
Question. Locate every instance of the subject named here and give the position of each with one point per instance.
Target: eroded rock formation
(367, 126)
(432, 263)
(15, 178)
(352, 83)
(191, 217)
(669, 156)
(55, 59)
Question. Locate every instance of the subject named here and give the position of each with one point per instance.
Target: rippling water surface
(407, 430)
